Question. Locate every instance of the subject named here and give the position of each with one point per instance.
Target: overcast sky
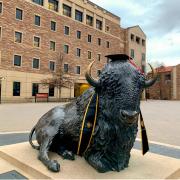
(159, 19)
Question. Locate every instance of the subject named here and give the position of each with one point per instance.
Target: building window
(53, 26)
(98, 72)
(66, 30)
(35, 63)
(132, 37)
(37, 20)
(99, 57)
(17, 60)
(51, 90)
(89, 55)
(35, 89)
(19, 14)
(1, 7)
(98, 24)
(66, 68)
(66, 10)
(143, 42)
(66, 49)
(167, 77)
(52, 45)
(79, 34)
(89, 20)
(89, 38)
(107, 44)
(132, 53)
(143, 57)
(0, 32)
(138, 40)
(53, 5)
(52, 65)
(16, 88)
(79, 16)
(107, 28)
(18, 37)
(78, 70)
(78, 52)
(40, 2)
(36, 41)
(99, 41)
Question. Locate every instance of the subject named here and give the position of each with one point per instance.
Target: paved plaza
(162, 118)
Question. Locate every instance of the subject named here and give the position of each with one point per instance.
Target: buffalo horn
(89, 78)
(150, 82)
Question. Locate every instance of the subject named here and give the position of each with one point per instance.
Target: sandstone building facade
(167, 86)
(36, 34)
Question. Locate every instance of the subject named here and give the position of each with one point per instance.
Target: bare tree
(59, 77)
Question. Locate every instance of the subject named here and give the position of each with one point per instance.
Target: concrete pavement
(162, 118)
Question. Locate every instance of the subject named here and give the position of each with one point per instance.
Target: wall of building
(116, 36)
(139, 49)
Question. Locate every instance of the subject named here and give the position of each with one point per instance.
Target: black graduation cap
(118, 57)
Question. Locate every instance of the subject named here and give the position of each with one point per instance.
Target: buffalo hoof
(54, 166)
(98, 164)
(68, 155)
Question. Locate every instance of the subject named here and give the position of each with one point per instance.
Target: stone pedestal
(22, 158)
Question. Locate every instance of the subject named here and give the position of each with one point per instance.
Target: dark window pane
(52, 65)
(18, 37)
(51, 90)
(89, 38)
(99, 57)
(78, 52)
(37, 20)
(1, 6)
(19, 14)
(36, 41)
(99, 41)
(17, 60)
(52, 45)
(132, 37)
(79, 16)
(78, 70)
(66, 30)
(35, 89)
(98, 24)
(89, 20)
(79, 34)
(167, 77)
(66, 10)
(40, 2)
(132, 53)
(35, 63)
(66, 49)
(53, 26)
(66, 68)
(138, 40)
(53, 5)
(108, 44)
(16, 88)
(89, 54)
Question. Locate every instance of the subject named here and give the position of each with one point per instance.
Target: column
(73, 11)
(94, 21)
(104, 25)
(46, 4)
(84, 16)
(61, 7)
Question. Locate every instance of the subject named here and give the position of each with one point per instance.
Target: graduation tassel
(144, 139)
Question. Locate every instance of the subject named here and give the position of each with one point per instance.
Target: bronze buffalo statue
(119, 90)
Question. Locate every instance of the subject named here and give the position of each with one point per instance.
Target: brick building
(36, 34)
(167, 86)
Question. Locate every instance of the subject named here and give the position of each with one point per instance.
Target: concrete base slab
(23, 158)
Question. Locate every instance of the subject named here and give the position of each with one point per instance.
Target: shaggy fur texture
(59, 129)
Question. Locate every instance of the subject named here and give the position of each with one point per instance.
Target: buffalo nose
(129, 114)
